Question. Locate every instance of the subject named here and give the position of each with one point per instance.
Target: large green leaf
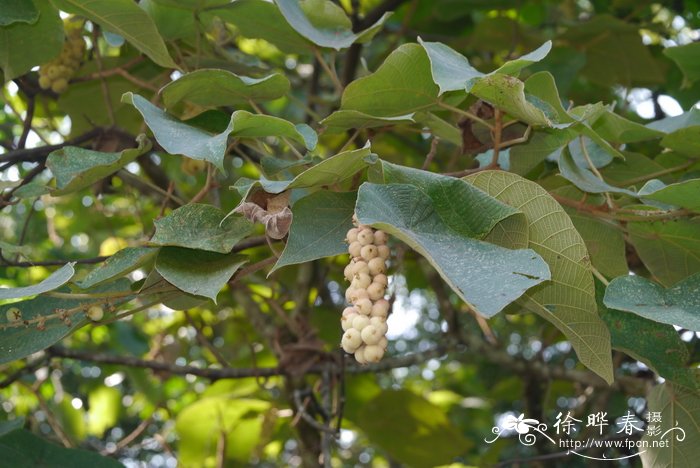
(57, 279)
(23, 45)
(669, 249)
(121, 263)
(320, 223)
(125, 18)
(345, 119)
(679, 408)
(246, 125)
(199, 226)
(22, 340)
(678, 305)
(211, 88)
(462, 207)
(614, 127)
(197, 272)
(400, 86)
(686, 57)
(21, 448)
(525, 157)
(200, 425)
(657, 345)
(76, 168)
(411, 429)
(568, 300)
(605, 243)
(324, 23)
(18, 11)
(486, 276)
(684, 140)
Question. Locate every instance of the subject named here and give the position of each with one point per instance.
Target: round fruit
(381, 308)
(380, 237)
(375, 291)
(360, 322)
(95, 313)
(371, 334)
(360, 355)
(351, 340)
(376, 266)
(361, 281)
(352, 235)
(384, 252)
(364, 305)
(13, 314)
(365, 236)
(368, 252)
(373, 353)
(355, 249)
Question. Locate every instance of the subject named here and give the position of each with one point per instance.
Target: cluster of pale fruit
(364, 321)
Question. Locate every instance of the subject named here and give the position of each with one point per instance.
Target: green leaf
(584, 179)
(440, 128)
(212, 88)
(200, 425)
(525, 157)
(179, 138)
(17, 342)
(345, 119)
(11, 425)
(411, 429)
(197, 272)
(262, 19)
(451, 71)
(486, 276)
(613, 127)
(328, 172)
(400, 86)
(57, 279)
(683, 194)
(462, 207)
(18, 11)
(669, 249)
(23, 46)
(15, 249)
(104, 406)
(686, 57)
(508, 94)
(320, 223)
(568, 300)
(321, 26)
(671, 124)
(679, 407)
(605, 243)
(76, 168)
(119, 264)
(21, 448)
(684, 140)
(678, 305)
(203, 227)
(656, 345)
(125, 18)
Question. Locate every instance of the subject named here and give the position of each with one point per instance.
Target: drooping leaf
(76, 168)
(212, 88)
(328, 172)
(345, 119)
(119, 264)
(200, 425)
(680, 420)
(199, 226)
(23, 45)
(584, 179)
(262, 19)
(197, 272)
(57, 279)
(685, 194)
(411, 429)
(320, 223)
(322, 26)
(678, 305)
(179, 138)
(508, 94)
(656, 345)
(686, 57)
(23, 338)
(462, 207)
(18, 11)
(125, 18)
(568, 300)
(669, 249)
(614, 127)
(21, 448)
(486, 276)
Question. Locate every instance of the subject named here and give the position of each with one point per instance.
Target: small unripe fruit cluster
(364, 321)
(55, 74)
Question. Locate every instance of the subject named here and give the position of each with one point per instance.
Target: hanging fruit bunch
(364, 321)
(55, 74)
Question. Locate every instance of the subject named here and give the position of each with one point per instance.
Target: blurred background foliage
(436, 411)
